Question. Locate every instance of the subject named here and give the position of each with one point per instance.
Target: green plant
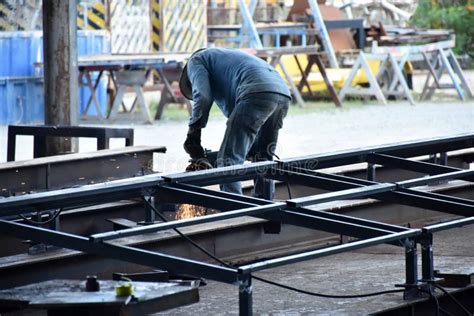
(449, 15)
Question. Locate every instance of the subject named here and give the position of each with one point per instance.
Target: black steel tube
(350, 219)
(405, 149)
(328, 251)
(186, 222)
(82, 196)
(329, 225)
(360, 192)
(460, 175)
(427, 264)
(412, 165)
(448, 225)
(138, 256)
(223, 174)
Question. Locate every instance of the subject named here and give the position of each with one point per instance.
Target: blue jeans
(252, 130)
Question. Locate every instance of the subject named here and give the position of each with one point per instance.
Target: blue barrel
(21, 74)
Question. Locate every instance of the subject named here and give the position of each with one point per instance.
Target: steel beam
(403, 150)
(328, 225)
(351, 219)
(449, 225)
(169, 194)
(320, 181)
(403, 163)
(57, 172)
(221, 175)
(257, 210)
(76, 197)
(424, 200)
(466, 175)
(428, 202)
(273, 263)
(360, 192)
(139, 256)
(227, 195)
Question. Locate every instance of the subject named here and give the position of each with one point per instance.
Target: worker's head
(184, 83)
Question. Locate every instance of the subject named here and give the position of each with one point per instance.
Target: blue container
(19, 51)
(21, 56)
(24, 98)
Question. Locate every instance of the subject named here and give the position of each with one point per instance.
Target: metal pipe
(186, 222)
(134, 255)
(328, 251)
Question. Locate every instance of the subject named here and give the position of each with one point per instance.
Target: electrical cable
(186, 237)
(42, 222)
(435, 299)
(445, 311)
(453, 299)
(325, 295)
(438, 306)
(265, 280)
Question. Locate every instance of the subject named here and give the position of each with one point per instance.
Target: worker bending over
(249, 92)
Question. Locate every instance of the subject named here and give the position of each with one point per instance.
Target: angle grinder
(206, 162)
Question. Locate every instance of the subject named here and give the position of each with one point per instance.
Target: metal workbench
(125, 71)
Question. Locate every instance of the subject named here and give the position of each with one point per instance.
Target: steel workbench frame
(190, 188)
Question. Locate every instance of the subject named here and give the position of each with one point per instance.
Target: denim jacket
(224, 76)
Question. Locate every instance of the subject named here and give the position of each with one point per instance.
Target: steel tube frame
(273, 263)
(185, 188)
(124, 253)
(409, 197)
(329, 225)
(412, 165)
(186, 222)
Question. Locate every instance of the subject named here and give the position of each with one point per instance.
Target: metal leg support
(268, 189)
(371, 172)
(427, 270)
(245, 295)
(149, 213)
(411, 270)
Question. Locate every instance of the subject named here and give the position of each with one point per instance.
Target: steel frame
(188, 188)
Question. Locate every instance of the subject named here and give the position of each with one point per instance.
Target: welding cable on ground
(435, 300)
(265, 280)
(38, 223)
(184, 236)
(455, 300)
(325, 295)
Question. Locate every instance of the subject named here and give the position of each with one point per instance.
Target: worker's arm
(202, 97)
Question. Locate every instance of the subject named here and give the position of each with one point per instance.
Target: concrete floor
(303, 134)
(369, 270)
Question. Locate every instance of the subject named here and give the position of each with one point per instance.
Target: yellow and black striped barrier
(155, 25)
(181, 25)
(92, 17)
(6, 12)
(15, 16)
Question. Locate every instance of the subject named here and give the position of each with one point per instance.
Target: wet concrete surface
(302, 134)
(369, 270)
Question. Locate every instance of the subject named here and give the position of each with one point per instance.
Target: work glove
(199, 164)
(192, 144)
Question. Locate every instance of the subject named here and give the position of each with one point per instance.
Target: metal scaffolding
(190, 188)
